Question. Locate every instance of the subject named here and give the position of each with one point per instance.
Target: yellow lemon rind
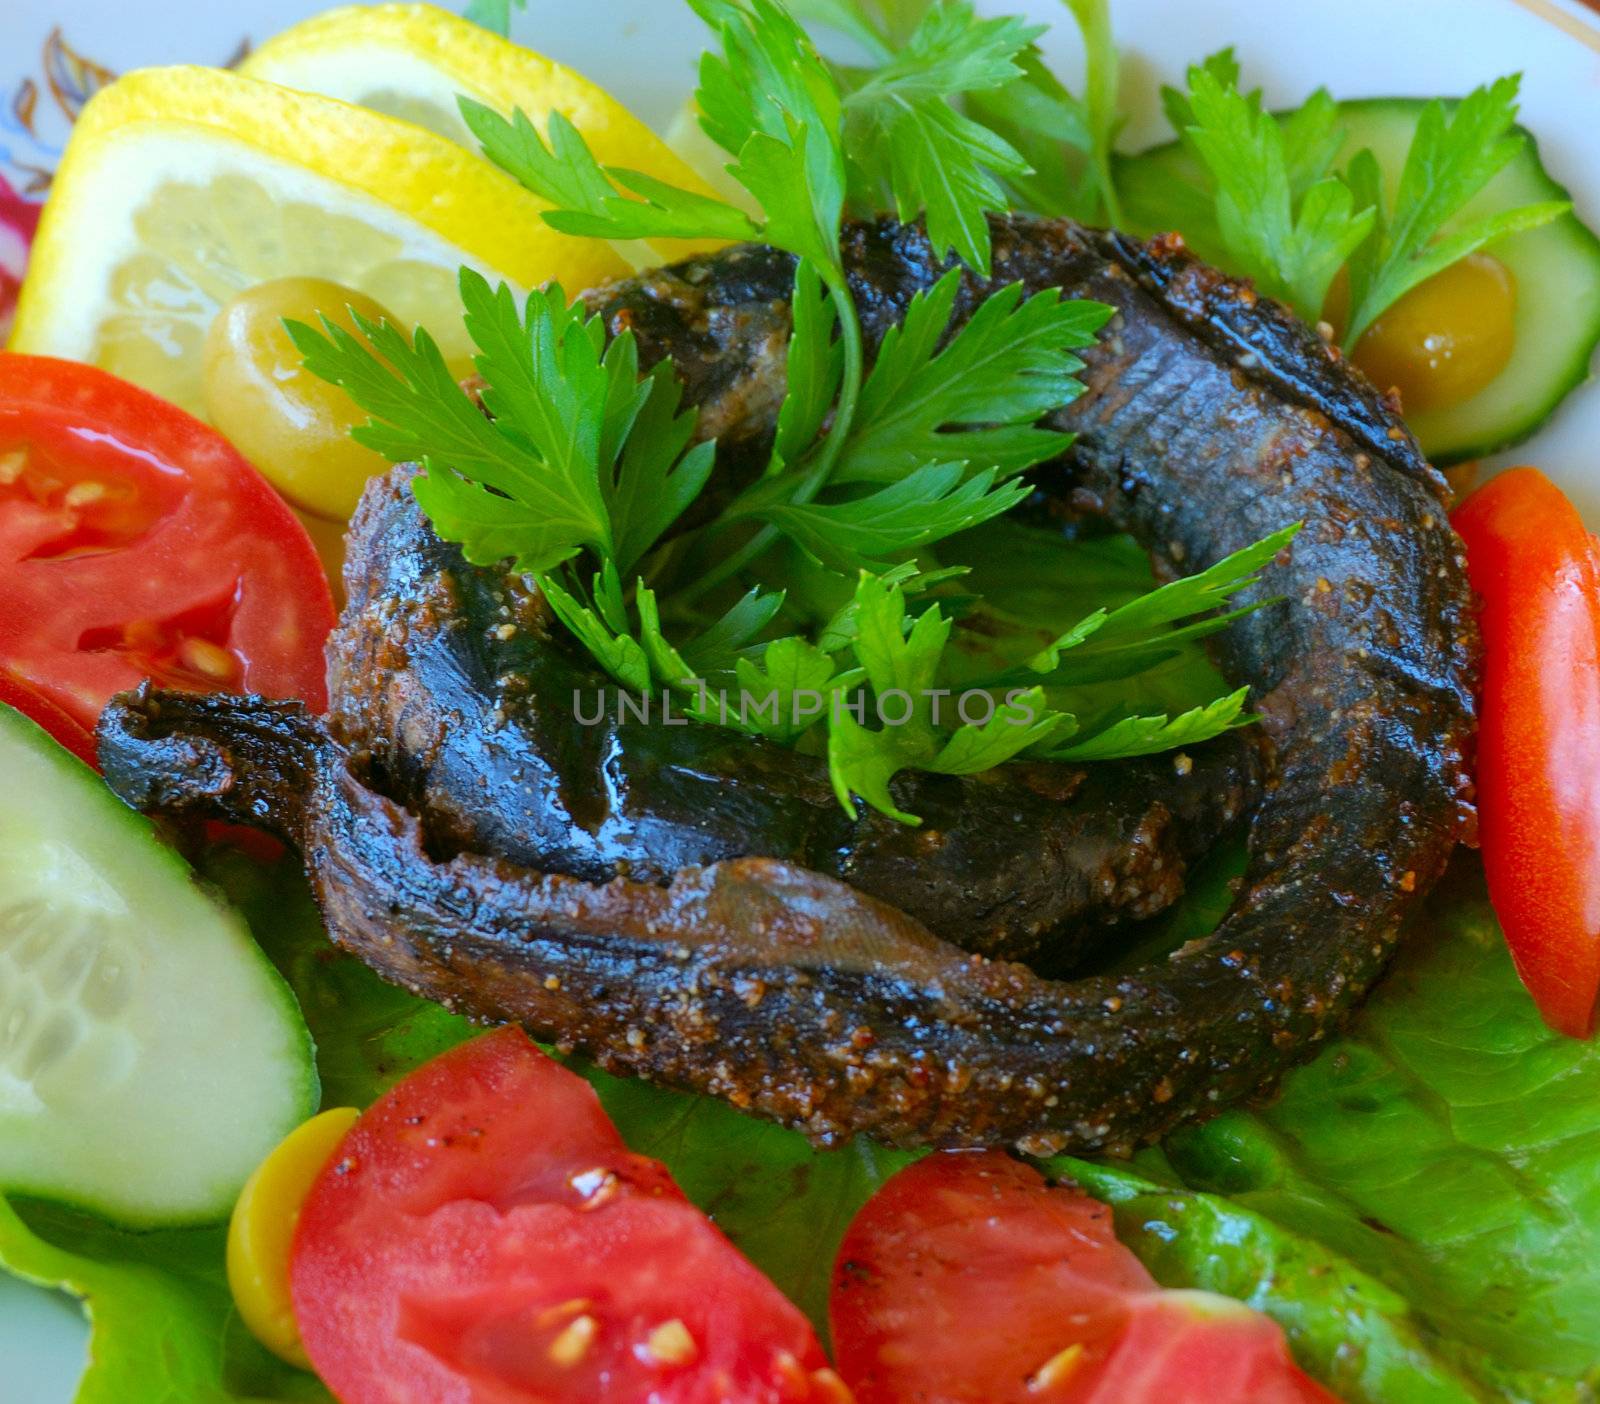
(453, 195)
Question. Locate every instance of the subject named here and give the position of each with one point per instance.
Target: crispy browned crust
(1211, 418)
(459, 700)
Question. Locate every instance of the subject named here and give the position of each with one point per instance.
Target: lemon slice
(411, 62)
(183, 186)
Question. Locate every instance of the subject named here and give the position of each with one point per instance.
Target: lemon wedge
(411, 62)
(181, 187)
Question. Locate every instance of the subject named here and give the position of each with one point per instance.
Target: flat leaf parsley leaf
(1008, 366)
(927, 505)
(1288, 226)
(912, 150)
(576, 451)
(957, 116)
(902, 658)
(1267, 201)
(1455, 152)
(590, 199)
(577, 468)
(1117, 643)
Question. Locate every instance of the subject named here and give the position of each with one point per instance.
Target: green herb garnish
(1287, 223)
(1454, 154)
(993, 117)
(1267, 201)
(493, 15)
(912, 150)
(794, 594)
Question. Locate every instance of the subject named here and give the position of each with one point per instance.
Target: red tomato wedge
(968, 1279)
(483, 1236)
(134, 543)
(36, 707)
(1536, 571)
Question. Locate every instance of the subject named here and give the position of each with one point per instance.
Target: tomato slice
(135, 542)
(1536, 571)
(483, 1234)
(38, 708)
(968, 1279)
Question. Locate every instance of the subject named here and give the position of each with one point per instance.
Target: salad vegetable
(1445, 1148)
(968, 1279)
(1483, 348)
(162, 1314)
(870, 475)
(294, 427)
(164, 1324)
(261, 1231)
(484, 1231)
(1537, 571)
(1418, 1213)
(1448, 338)
(135, 542)
(149, 1054)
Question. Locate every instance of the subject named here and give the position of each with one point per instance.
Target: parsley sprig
(493, 15)
(1455, 152)
(578, 469)
(768, 98)
(576, 454)
(901, 657)
(1267, 201)
(913, 150)
(1289, 223)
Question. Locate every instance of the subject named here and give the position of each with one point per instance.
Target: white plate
(643, 51)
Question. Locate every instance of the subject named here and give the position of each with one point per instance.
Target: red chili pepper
(1536, 570)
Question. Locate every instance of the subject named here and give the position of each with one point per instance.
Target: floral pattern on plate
(35, 122)
(41, 110)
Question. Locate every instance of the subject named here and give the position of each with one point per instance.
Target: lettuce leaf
(164, 1328)
(1420, 1209)
(1346, 1327)
(368, 1034)
(1449, 1147)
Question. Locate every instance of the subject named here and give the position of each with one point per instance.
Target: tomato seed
(206, 658)
(831, 1389)
(670, 1344)
(83, 494)
(574, 1341)
(1058, 1369)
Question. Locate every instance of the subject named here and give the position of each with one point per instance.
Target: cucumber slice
(1557, 270)
(150, 1055)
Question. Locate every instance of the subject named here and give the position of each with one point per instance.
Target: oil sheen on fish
(805, 986)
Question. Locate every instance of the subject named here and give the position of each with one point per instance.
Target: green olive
(1447, 338)
(293, 426)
